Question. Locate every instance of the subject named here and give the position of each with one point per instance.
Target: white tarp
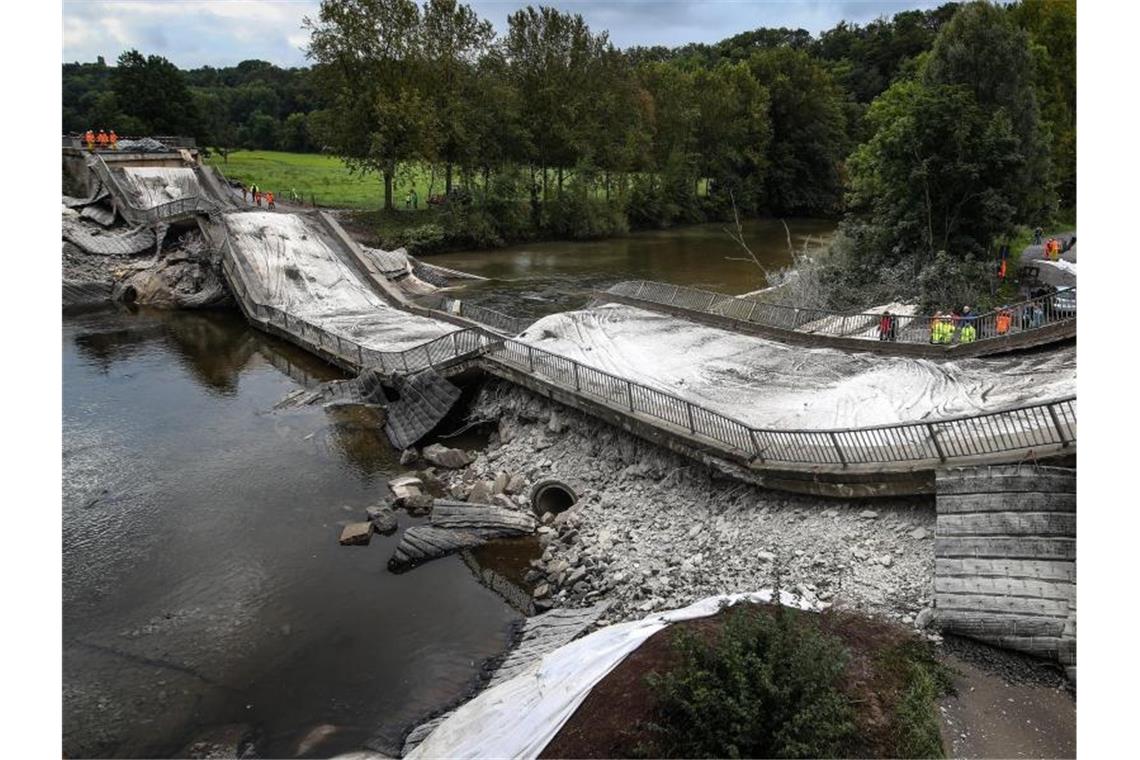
(769, 384)
(519, 717)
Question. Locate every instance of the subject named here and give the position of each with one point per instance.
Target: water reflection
(202, 579)
(541, 278)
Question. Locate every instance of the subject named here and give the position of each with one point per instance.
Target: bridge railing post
(934, 439)
(1057, 424)
(838, 448)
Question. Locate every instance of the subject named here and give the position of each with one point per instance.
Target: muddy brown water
(202, 579)
(541, 278)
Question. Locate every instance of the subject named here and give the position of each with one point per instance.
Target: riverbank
(653, 530)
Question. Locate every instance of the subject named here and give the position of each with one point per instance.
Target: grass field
(328, 179)
(322, 176)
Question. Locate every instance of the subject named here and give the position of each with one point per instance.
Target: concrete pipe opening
(552, 496)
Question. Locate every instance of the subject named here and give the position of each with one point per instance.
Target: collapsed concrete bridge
(704, 385)
(789, 399)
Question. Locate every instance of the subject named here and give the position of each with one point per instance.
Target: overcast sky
(195, 33)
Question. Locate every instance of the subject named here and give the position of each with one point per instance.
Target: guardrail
(1050, 423)
(496, 320)
(1021, 317)
(164, 212)
(446, 348)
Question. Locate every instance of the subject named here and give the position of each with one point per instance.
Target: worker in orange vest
(89, 138)
(114, 140)
(101, 140)
(269, 199)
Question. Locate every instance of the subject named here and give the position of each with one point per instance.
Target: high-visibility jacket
(101, 138)
(113, 138)
(968, 334)
(89, 138)
(1003, 321)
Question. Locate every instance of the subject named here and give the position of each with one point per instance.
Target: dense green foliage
(936, 133)
(776, 682)
(769, 686)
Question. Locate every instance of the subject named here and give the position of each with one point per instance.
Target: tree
(454, 39)
(368, 51)
(1052, 27)
(152, 90)
(982, 50)
(809, 138)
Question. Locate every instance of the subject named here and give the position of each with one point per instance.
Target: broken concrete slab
(383, 519)
(356, 534)
(457, 525)
(442, 456)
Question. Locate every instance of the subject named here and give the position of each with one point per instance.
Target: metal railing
(179, 207)
(446, 348)
(496, 320)
(1009, 320)
(170, 141)
(1050, 423)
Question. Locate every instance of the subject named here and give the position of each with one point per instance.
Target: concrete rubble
(455, 526)
(653, 530)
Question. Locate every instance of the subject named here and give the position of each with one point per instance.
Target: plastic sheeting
(519, 717)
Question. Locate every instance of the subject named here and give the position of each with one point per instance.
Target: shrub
(768, 686)
(426, 238)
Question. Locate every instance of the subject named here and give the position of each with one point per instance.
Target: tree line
(933, 133)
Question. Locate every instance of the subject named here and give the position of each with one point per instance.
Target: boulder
(356, 534)
(409, 457)
(500, 484)
(442, 456)
(383, 519)
(480, 492)
(405, 486)
(868, 514)
(886, 560)
(919, 534)
(516, 484)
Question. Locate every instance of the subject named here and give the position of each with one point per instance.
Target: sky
(193, 33)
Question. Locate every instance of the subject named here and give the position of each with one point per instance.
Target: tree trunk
(447, 181)
(560, 180)
(388, 174)
(545, 188)
(607, 187)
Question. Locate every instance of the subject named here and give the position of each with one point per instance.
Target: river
(202, 579)
(535, 279)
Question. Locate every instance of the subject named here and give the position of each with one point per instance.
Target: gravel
(653, 530)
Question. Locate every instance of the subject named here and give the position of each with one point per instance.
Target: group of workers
(1052, 249)
(258, 195)
(103, 140)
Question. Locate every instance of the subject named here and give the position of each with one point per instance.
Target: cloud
(194, 33)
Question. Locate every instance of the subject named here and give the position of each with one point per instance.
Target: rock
(766, 556)
(500, 484)
(886, 560)
(229, 741)
(830, 513)
(502, 500)
(383, 519)
(418, 504)
(408, 457)
(924, 618)
(556, 424)
(541, 590)
(480, 492)
(868, 514)
(356, 534)
(547, 518)
(516, 484)
(405, 486)
(919, 534)
(442, 456)
(575, 576)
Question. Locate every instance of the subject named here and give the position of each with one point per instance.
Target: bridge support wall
(1005, 558)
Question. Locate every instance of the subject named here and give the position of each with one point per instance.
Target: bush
(768, 686)
(427, 238)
